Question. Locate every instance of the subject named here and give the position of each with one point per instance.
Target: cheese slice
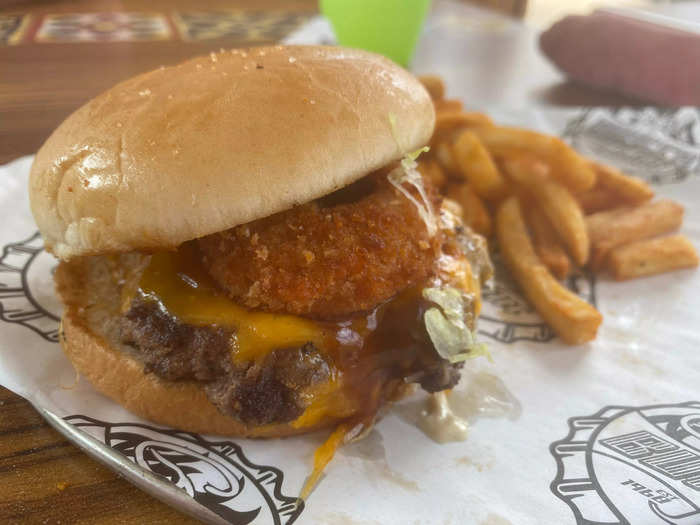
(179, 284)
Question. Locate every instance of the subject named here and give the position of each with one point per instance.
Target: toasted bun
(190, 150)
(91, 342)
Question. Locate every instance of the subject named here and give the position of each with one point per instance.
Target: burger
(247, 247)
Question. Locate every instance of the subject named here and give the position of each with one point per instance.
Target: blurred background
(56, 55)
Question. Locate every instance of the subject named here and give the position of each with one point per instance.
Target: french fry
(449, 123)
(451, 105)
(573, 319)
(565, 215)
(477, 167)
(531, 176)
(450, 120)
(597, 199)
(434, 85)
(524, 170)
(567, 166)
(613, 189)
(651, 257)
(431, 170)
(443, 154)
(630, 190)
(546, 242)
(474, 212)
(610, 229)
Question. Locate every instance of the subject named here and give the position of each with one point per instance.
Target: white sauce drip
(440, 423)
(445, 418)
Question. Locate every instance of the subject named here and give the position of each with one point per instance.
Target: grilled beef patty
(255, 393)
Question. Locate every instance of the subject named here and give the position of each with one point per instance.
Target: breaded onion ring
(342, 254)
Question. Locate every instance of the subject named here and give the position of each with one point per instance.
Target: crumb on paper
(75, 382)
(469, 462)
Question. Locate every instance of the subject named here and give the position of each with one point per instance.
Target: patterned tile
(103, 27)
(12, 28)
(243, 25)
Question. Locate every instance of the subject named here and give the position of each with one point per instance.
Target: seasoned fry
(524, 170)
(451, 105)
(433, 172)
(567, 166)
(574, 320)
(598, 199)
(476, 166)
(613, 189)
(558, 206)
(565, 215)
(546, 242)
(434, 85)
(630, 190)
(474, 212)
(610, 229)
(651, 257)
(449, 123)
(443, 154)
(450, 120)
(555, 209)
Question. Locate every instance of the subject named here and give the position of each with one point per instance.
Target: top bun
(218, 141)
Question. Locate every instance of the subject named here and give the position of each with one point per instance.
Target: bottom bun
(117, 374)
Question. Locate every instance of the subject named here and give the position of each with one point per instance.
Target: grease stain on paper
(495, 519)
(469, 462)
(340, 518)
(373, 455)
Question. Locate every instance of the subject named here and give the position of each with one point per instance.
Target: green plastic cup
(387, 27)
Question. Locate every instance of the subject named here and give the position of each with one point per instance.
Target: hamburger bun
(189, 150)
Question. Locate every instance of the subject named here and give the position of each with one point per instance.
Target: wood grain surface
(45, 479)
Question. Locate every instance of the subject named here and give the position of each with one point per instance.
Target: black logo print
(26, 287)
(659, 145)
(626, 465)
(216, 474)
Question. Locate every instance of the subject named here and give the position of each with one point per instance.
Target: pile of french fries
(551, 210)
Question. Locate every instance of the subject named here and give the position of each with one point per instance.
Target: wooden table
(45, 479)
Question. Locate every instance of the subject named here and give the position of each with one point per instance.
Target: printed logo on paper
(627, 465)
(508, 317)
(215, 474)
(659, 145)
(26, 287)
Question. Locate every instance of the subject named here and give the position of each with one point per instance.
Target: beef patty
(271, 391)
(268, 392)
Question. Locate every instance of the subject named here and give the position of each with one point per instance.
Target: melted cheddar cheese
(178, 283)
(183, 289)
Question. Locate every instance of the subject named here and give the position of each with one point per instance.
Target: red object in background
(630, 54)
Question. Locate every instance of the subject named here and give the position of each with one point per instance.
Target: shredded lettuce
(407, 173)
(447, 327)
(394, 127)
(413, 155)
